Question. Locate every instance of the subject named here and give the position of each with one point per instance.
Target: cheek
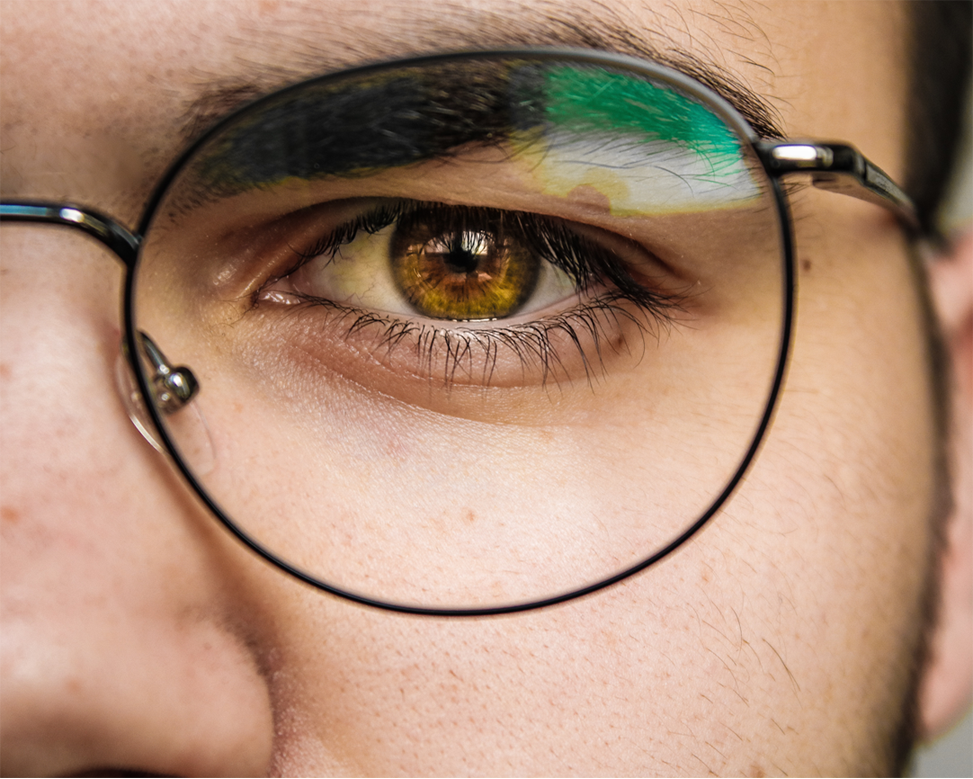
(839, 508)
(858, 416)
(472, 496)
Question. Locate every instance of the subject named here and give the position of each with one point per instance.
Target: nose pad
(133, 400)
(186, 425)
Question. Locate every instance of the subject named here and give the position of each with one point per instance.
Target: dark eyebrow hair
(551, 26)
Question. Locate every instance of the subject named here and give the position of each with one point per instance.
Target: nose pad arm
(174, 386)
(175, 389)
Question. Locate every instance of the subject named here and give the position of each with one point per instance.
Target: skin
(137, 635)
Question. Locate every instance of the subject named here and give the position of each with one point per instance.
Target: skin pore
(137, 635)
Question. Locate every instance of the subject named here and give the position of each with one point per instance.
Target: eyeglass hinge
(837, 167)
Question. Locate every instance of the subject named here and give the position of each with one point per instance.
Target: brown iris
(461, 266)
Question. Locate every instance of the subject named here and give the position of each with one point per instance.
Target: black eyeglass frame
(836, 167)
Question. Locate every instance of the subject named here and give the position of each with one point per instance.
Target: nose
(124, 642)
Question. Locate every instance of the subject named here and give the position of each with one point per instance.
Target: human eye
(471, 226)
(485, 281)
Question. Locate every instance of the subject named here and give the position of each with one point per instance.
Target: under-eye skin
(455, 289)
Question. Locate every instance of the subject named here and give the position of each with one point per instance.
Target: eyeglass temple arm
(837, 167)
(123, 244)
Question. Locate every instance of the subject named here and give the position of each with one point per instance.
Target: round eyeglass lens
(470, 332)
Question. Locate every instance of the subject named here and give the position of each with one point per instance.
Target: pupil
(463, 253)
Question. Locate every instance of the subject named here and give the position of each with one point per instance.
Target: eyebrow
(554, 27)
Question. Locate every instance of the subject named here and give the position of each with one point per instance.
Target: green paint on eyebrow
(593, 100)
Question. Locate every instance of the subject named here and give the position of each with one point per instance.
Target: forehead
(121, 90)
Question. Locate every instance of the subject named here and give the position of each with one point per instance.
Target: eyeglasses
(436, 284)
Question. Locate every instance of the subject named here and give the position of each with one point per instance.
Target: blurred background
(952, 755)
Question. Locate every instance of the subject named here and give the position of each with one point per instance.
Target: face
(138, 635)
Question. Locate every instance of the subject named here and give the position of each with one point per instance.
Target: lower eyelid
(560, 349)
(282, 295)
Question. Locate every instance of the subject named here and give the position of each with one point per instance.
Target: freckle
(806, 266)
(756, 770)
(705, 576)
(5, 370)
(470, 516)
(8, 514)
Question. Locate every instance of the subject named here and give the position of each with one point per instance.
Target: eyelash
(588, 263)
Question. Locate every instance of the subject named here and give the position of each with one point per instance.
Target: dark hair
(942, 37)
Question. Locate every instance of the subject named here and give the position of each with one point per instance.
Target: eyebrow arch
(220, 96)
